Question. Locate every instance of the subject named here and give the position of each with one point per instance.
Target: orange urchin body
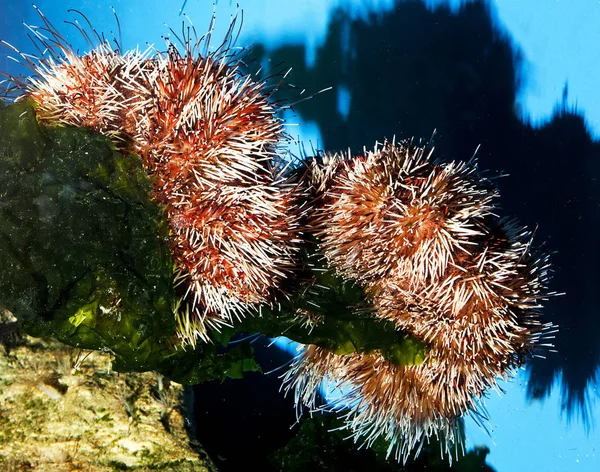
(210, 137)
(393, 210)
(423, 240)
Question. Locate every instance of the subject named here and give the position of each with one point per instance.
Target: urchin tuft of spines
(391, 208)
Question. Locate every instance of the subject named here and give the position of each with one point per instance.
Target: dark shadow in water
(249, 424)
(414, 70)
(240, 422)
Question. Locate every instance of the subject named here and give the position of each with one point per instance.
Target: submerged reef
(148, 210)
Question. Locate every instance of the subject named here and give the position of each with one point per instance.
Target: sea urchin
(423, 240)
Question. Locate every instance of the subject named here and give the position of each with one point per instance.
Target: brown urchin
(423, 240)
(210, 138)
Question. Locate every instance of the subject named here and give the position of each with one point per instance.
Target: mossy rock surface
(85, 252)
(56, 418)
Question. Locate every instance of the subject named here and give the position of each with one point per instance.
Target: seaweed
(84, 251)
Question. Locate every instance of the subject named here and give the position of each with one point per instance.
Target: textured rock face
(62, 409)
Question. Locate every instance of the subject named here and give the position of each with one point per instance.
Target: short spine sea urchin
(209, 136)
(422, 239)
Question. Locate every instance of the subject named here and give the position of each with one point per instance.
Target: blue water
(519, 78)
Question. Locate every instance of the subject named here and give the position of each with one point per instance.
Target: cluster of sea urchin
(422, 239)
(209, 136)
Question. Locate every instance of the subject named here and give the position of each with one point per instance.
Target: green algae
(85, 254)
(331, 312)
